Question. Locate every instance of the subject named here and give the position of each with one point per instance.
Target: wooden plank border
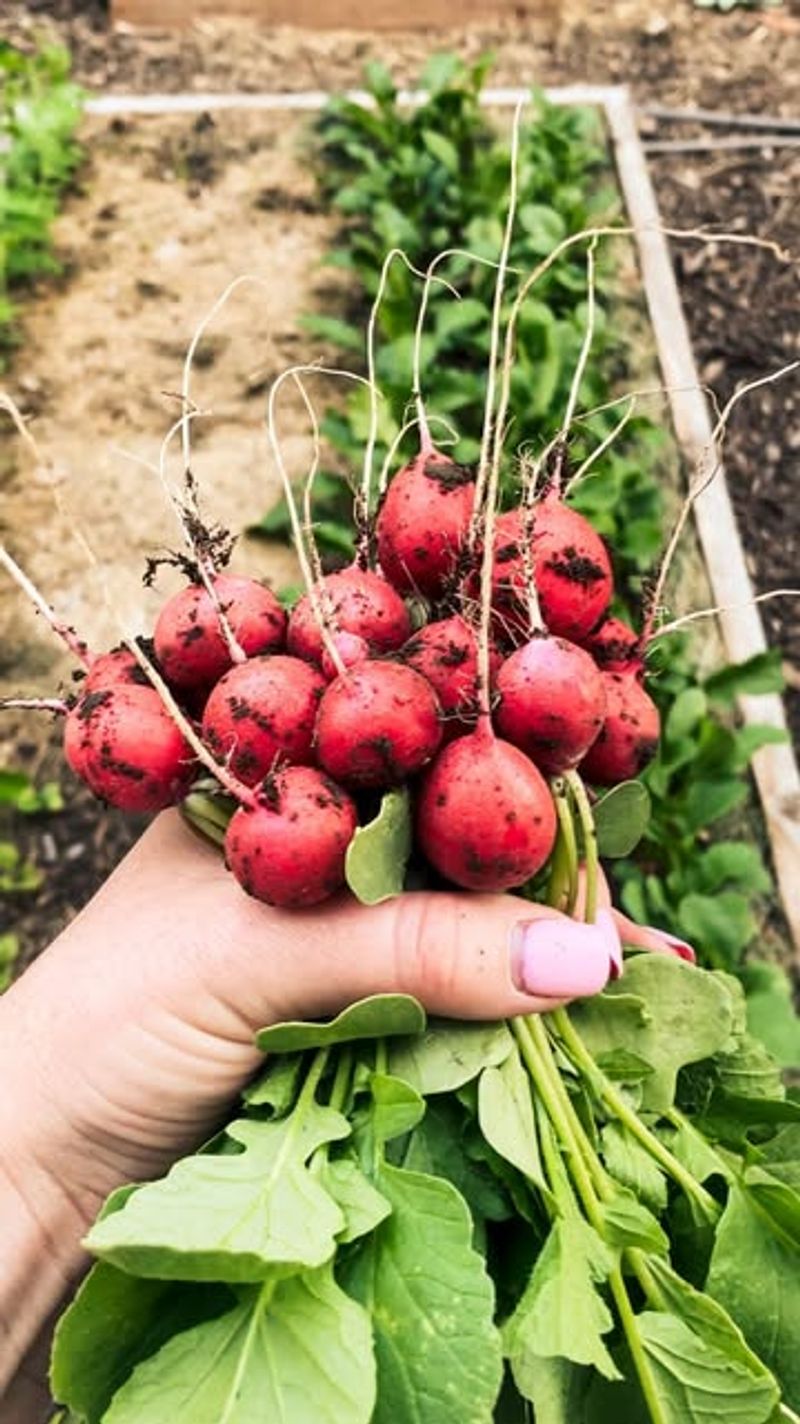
(775, 767)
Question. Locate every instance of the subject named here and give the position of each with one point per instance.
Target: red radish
(572, 570)
(354, 601)
(189, 642)
(614, 646)
(423, 523)
(446, 653)
(377, 725)
(263, 711)
(117, 668)
(485, 816)
(125, 745)
(552, 702)
(351, 648)
(290, 848)
(629, 738)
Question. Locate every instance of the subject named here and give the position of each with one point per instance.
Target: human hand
(133, 1033)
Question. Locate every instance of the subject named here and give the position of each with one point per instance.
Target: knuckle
(427, 948)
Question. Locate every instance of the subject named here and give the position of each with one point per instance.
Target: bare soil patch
(169, 212)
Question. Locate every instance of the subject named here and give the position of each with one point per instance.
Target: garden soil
(166, 212)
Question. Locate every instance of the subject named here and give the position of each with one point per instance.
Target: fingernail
(561, 958)
(673, 945)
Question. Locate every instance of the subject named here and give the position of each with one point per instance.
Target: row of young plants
(40, 109)
(432, 178)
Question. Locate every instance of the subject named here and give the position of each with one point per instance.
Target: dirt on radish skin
(485, 818)
(289, 850)
(572, 570)
(423, 523)
(446, 654)
(630, 733)
(353, 600)
(614, 646)
(261, 712)
(125, 745)
(552, 702)
(117, 668)
(377, 725)
(189, 642)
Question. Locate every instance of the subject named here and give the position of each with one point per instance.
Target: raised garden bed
(497, 1050)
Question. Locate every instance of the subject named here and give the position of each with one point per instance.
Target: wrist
(41, 1227)
(45, 1207)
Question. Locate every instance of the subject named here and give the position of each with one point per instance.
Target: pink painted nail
(673, 945)
(563, 959)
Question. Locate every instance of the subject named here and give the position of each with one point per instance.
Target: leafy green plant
(434, 177)
(433, 1223)
(9, 950)
(19, 876)
(39, 112)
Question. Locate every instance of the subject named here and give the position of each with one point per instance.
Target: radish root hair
(363, 499)
(488, 477)
(678, 623)
(708, 464)
(321, 614)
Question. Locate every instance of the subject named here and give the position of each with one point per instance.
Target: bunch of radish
(466, 654)
(303, 717)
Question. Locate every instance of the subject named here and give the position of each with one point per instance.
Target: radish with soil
(446, 653)
(190, 644)
(127, 748)
(289, 848)
(378, 724)
(356, 601)
(423, 522)
(485, 818)
(630, 733)
(551, 702)
(571, 569)
(263, 712)
(613, 645)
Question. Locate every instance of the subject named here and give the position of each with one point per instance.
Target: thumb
(462, 955)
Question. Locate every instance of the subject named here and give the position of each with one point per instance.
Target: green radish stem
(563, 889)
(208, 815)
(586, 820)
(342, 1078)
(526, 1032)
(616, 1106)
(573, 1044)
